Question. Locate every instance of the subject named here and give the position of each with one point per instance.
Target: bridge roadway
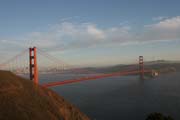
(122, 73)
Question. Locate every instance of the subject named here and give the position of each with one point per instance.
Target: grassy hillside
(20, 99)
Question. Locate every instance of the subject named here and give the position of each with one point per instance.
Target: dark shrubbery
(158, 116)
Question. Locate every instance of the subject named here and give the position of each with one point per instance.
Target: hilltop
(22, 100)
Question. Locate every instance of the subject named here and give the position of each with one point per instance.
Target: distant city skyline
(92, 33)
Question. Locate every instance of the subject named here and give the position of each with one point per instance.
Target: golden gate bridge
(26, 62)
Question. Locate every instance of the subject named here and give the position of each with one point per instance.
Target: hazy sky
(92, 32)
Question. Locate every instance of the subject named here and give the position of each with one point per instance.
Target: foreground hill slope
(20, 99)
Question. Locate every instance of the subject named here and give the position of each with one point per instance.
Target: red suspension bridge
(20, 64)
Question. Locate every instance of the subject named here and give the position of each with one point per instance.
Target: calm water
(125, 98)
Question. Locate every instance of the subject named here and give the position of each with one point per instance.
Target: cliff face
(20, 99)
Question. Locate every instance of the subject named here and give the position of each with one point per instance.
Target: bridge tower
(33, 68)
(141, 67)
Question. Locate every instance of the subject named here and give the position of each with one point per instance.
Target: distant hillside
(157, 65)
(20, 99)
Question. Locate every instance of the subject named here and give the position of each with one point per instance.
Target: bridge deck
(51, 84)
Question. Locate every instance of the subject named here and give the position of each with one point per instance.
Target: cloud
(69, 35)
(97, 33)
(69, 18)
(167, 24)
(168, 29)
(159, 18)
